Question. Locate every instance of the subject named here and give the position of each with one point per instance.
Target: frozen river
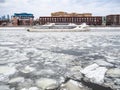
(29, 58)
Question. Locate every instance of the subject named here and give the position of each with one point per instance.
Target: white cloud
(45, 7)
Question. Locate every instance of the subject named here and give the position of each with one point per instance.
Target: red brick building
(77, 18)
(93, 20)
(113, 19)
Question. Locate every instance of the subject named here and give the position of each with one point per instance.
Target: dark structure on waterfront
(22, 19)
(77, 18)
(64, 17)
(94, 20)
(113, 19)
(60, 18)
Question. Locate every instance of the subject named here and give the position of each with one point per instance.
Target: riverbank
(105, 28)
(7, 28)
(23, 27)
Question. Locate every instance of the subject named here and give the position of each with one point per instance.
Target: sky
(45, 7)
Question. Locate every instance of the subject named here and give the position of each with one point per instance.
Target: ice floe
(95, 73)
(44, 83)
(47, 60)
(5, 70)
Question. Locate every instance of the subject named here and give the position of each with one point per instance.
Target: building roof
(23, 14)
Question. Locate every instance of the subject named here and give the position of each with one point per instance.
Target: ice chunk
(27, 69)
(95, 73)
(16, 80)
(89, 68)
(46, 82)
(5, 70)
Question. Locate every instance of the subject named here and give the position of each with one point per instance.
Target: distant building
(4, 20)
(65, 14)
(113, 19)
(22, 19)
(8, 17)
(94, 20)
(4, 17)
(64, 17)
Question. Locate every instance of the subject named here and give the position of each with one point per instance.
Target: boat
(52, 27)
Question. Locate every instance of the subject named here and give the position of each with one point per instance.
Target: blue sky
(45, 7)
